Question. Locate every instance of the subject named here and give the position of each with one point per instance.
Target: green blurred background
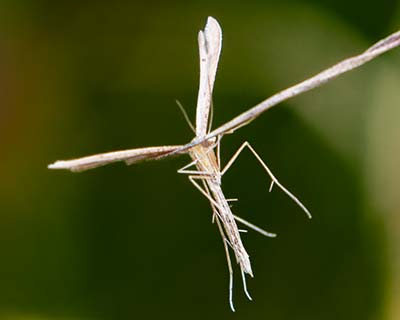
(136, 242)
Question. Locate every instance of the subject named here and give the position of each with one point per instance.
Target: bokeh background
(83, 77)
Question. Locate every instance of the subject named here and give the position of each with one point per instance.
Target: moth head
(209, 143)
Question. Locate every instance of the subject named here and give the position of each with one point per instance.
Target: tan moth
(204, 148)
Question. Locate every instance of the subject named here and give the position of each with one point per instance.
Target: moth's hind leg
(217, 218)
(273, 178)
(229, 263)
(245, 285)
(254, 227)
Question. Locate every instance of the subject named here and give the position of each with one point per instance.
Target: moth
(205, 171)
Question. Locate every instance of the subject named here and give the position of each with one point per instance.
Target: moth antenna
(185, 115)
(211, 116)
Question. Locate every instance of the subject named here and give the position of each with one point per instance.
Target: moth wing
(128, 156)
(210, 41)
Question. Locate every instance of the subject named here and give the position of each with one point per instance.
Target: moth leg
(254, 227)
(245, 285)
(183, 169)
(225, 241)
(229, 262)
(192, 172)
(195, 173)
(204, 192)
(274, 179)
(215, 211)
(234, 157)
